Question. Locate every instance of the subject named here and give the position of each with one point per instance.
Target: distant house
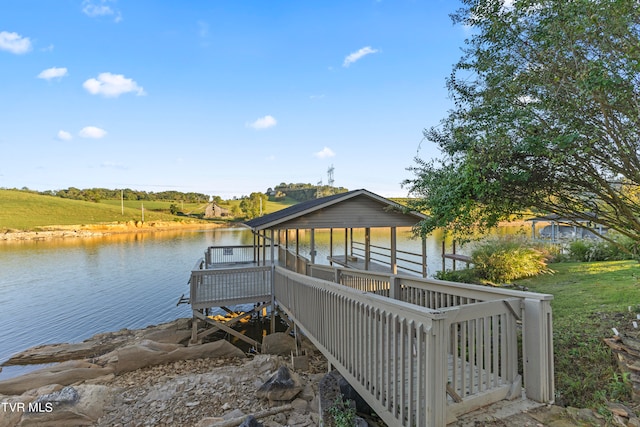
(214, 211)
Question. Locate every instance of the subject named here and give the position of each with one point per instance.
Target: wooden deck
(359, 264)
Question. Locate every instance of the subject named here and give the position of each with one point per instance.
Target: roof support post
(273, 293)
(255, 247)
(264, 247)
(330, 245)
(394, 260)
(313, 246)
(346, 247)
(367, 247)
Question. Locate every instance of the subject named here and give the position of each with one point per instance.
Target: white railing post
(395, 288)
(538, 350)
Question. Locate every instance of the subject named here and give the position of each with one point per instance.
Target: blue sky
(220, 97)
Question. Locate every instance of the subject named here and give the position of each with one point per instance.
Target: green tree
(252, 206)
(546, 116)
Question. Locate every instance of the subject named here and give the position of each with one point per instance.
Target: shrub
(466, 275)
(602, 250)
(502, 260)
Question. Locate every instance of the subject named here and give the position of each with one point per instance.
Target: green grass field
(23, 210)
(589, 300)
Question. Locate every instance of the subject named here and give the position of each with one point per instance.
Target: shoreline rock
(53, 232)
(150, 377)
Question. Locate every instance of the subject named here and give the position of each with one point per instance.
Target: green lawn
(589, 300)
(23, 210)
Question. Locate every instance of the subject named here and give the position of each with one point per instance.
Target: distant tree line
(97, 194)
(303, 192)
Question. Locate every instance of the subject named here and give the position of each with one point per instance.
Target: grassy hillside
(22, 210)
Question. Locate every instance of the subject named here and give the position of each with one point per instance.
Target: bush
(466, 275)
(502, 260)
(602, 250)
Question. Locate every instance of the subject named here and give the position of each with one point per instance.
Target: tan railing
(411, 262)
(291, 261)
(533, 312)
(229, 286)
(387, 350)
(230, 254)
(404, 359)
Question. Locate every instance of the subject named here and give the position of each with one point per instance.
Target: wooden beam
(224, 326)
(394, 259)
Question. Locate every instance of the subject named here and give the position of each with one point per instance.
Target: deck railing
(291, 261)
(229, 286)
(533, 312)
(236, 254)
(402, 358)
(411, 262)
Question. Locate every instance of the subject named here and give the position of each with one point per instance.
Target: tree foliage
(546, 116)
(252, 206)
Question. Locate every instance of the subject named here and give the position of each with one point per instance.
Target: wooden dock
(359, 264)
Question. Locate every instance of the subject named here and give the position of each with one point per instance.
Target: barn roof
(353, 209)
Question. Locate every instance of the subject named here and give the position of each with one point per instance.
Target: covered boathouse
(420, 351)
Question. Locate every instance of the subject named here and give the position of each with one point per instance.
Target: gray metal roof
(353, 209)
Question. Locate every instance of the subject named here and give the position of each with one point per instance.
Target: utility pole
(122, 201)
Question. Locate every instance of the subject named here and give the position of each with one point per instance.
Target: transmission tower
(330, 176)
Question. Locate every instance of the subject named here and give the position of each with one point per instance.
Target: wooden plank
(229, 330)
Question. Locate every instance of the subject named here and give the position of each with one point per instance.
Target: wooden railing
(533, 312)
(291, 261)
(230, 286)
(410, 262)
(404, 359)
(236, 254)
(382, 347)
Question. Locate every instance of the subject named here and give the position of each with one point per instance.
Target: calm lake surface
(67, 290)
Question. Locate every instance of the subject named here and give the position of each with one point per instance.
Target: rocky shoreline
(150, 377)
(101, 230)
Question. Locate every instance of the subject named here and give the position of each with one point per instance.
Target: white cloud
(63, 135)
(263, 123)
(53, 73)
(14, 43)
(326, 152)
(353, 57)
(95, 8)
(112, 85)
(92, 132)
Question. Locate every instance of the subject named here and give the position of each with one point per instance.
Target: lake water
(67, 290)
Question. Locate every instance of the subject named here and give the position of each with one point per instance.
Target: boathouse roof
(353, 209)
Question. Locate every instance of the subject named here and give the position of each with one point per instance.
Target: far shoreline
(55, 232)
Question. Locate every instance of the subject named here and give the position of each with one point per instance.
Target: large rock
(72, 406)
(12, 409)
(174, 332)
(65, 373)
(149, 353)
(282, 386)
(278, 343)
